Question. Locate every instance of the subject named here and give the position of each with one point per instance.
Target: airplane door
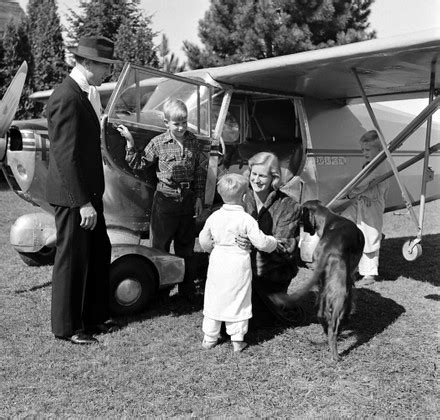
(137, 102)
(276, 124)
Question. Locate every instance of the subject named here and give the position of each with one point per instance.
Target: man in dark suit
(75, 188)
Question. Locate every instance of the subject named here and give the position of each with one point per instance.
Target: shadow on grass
(373, 314)
(265, 326)
(175, 304)
(4, 186)
(425, 268)
(162, 306)
(433, 297)
(33, 288)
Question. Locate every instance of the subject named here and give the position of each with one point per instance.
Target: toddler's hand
(281, 247)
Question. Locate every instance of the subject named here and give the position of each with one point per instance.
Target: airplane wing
(105, 91)
(10, 100)
(396, 65)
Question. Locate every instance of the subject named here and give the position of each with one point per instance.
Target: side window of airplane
(138, 102)
(265, 124)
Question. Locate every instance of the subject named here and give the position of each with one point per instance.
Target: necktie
(95, 100)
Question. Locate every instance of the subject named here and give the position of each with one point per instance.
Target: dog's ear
(308, 220)
(312, 219)
(301, 214)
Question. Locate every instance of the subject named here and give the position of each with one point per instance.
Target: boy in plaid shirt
(179, 192)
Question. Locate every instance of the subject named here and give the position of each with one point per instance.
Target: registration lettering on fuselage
(331, 160)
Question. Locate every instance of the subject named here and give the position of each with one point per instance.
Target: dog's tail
(324, 269)
(285, 301)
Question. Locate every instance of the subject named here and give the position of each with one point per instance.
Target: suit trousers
(80, 278)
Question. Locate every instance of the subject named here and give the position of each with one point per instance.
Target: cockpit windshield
(196, 98)
(142, 94)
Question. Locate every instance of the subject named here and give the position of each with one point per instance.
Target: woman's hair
(231, 187)
(175, 110)
(372, 138)
(270, 161)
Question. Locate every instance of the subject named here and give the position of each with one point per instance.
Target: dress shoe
(106, 327)
(83, 338)
(190, 295)
(186, 289)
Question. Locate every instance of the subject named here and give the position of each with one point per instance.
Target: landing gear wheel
(411, 252)
(133, 284)
(45, 256)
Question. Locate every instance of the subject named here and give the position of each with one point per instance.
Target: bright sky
(178, 19)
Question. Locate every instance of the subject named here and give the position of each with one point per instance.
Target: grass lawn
(155, 366)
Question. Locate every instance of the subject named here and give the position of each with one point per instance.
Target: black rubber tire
(45, 256)
(137, 269)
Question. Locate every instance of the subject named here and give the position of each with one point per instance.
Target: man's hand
(243, 242)
(89, 216)
(198, 207)
(123, 130)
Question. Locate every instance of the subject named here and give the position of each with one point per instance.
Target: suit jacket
(75, 162)
(279, 217)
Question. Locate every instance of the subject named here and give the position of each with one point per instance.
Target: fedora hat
(96, 48)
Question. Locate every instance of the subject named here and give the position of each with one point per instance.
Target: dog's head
(308, 216)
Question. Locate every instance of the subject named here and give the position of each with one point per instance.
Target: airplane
(309, 108)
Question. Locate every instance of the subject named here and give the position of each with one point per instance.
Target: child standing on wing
(367, 209)
(228, 283)
(178, 197)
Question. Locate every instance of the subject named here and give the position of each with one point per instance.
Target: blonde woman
(278, 215)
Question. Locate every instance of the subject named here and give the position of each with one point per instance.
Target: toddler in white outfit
(367, 209)
(228, 284)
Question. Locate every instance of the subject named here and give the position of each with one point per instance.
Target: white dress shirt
(91, 90)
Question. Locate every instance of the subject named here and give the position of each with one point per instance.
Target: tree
(167, 60)
(241, 30)
(122, 22)
(16, 49)
(134, 41)
(45, 37)
(99, 17)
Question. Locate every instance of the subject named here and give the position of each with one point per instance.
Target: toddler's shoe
(239, 346)
(367, 280)
(207, 345)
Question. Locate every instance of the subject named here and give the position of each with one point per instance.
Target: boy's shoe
(208, 345)
(367, 280)
(239, 346)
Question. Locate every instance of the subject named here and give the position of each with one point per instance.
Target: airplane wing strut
(412, 248)
(402, 188)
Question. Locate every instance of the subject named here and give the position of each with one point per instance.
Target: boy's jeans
(172, 219)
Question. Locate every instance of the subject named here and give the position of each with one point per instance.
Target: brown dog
(336, 258)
